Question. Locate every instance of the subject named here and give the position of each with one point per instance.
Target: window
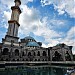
(7, 59)
(67, 56)
(1, 59)
(13, 60)
(43, 60)
(38, 59)
(29, 54)
(16, 52)
(26, 59)
(35, 59)
(38, 53)
(17, 59)
(44, 53)
(22, 59)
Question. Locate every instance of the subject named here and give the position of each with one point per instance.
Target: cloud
(4, 21)
(70, 37)
(26, 1)
(7, 15)
(29, 20)
(9, 3)
(51, 36)
(57, 23)
(62, 6)
(52, 42)
(2, 34)
(5, 10)
(69, 40)
(71, 32)
(44, 45)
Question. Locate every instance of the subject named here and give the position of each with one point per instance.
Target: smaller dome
(31, 44)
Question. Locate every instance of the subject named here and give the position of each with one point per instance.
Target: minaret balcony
(16, 7)
(13, 21)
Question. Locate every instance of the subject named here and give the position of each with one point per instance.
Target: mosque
(28, 49)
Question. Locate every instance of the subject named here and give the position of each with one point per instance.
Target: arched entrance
(5, 51)
(16, 52)
(57, 56)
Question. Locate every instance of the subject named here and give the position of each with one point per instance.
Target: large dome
(32, 44)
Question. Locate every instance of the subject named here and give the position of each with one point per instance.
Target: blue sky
(48, 21)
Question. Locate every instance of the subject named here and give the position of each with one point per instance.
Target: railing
(38, 62)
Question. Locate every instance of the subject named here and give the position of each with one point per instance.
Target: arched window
(35, 59)
(16, 52)
(38, 59)
(44, 53)
(13, 60)
(29, 54)
(67, 56)
(38, 53)
(1, 59)
(22, 59)
(5, 51)
(7, 59)
(26, 59)
(17, 59)
(43, 60)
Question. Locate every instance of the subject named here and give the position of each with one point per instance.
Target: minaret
(14, 22)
